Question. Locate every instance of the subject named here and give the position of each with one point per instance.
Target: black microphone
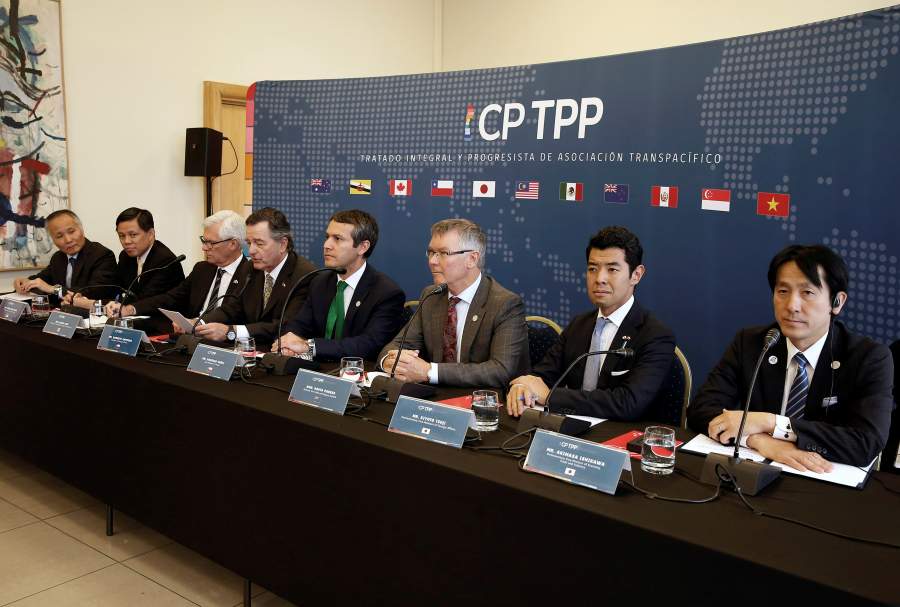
(275, 362)
(392, 387)
(212, 303)
(532, 418)
(749, 477)
(128, 291)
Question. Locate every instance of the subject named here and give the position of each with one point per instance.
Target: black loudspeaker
(202, 152)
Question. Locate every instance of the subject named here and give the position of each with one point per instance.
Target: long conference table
(331, 510)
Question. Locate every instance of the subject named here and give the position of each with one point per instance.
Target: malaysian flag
(528, 189)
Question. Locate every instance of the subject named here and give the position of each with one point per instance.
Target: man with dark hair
(276, 269)
(354, 313)
(78, 264)
(140, 252)
(607, 386)
(823, 394)
(475, 335)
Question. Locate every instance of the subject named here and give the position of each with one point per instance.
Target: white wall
(134, 69)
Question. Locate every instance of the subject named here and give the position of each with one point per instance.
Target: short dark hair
(62, 213)
(143, 216)
(364, 227)
(278, 223)
(618, 237)
(809, 258)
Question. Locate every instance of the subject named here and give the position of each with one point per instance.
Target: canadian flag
(483, 189)
(400, 187)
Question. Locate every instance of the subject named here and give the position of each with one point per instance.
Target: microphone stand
(555, 422)
(128, 291)
(749, 477)
(189, 341)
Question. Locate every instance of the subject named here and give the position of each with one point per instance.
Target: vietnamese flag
(773, 205)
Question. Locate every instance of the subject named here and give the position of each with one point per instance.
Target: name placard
(121, 340)
(321, 391)
(575, 461)
(213, 361)
(431, 421)
(12, 310)
(62, 324)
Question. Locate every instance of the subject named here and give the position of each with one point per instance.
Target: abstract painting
(34, 172)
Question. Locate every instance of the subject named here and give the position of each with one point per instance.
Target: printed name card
(431, 421)
(322, 391)
(12, 310)
(62, 324)
(576, 461)
(213, 362)
(120, 340)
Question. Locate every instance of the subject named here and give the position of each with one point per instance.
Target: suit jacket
(248, 310)
(95, 265)
(373, 318)
(190, 294)
(893, 443)
(852, 431)
(159, 281)
(627, 387)
(494, 346)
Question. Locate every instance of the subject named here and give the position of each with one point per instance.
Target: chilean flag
(441, 187)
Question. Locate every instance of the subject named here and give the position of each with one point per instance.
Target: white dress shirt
(615, 321)
(462, 311)
(227, 277)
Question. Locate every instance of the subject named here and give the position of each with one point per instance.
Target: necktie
(267, 289)
(140, 266)
(70, 269)
(796, 402)
(449, 341)
(592, 365)
(334, 324)
(214, 294)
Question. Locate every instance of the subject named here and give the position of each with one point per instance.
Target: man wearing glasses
(224, 272)
(475, 335)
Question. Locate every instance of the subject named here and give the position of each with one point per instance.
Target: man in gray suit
(476, 335)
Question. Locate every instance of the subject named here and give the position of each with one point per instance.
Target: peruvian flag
(664, 196)
(400, 187)
(715, 200)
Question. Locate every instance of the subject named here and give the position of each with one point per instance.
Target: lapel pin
(358, 303)
(475, 318)
(835, 364)
(773, 359)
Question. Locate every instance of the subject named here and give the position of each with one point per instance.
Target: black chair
(409, 308)
(891, 452)
(671, 403)
(542, 333)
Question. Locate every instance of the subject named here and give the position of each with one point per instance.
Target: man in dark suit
(607, 386)
(352, 314)
(225, 271)
(823, 394)
(78, 264)
(140, 253)
(476, 334)
(276, 269)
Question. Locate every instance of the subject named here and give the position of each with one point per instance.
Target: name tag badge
(322, 391)
(431, 421)
(213, 362)
(121, 340)
(12, 310)
(62, 324)
(576, 461)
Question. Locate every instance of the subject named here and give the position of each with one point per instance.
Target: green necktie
(334, 324)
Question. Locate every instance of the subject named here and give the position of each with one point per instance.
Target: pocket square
(618, 373)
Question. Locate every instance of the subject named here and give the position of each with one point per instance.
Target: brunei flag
(360, 186)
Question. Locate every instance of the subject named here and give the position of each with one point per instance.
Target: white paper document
(18, 296)
(179, 319)
(841, 474)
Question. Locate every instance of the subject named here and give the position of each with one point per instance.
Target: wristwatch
(231, 335)
(311, 353)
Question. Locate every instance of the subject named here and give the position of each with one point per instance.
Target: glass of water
(486, 405)
(124, 323)
(40, 306)
(352, 369)
(246, 347)
(658, 451)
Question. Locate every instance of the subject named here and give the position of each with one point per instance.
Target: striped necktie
(592, 365)
(796, 402)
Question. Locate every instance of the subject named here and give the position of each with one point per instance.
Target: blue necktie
(592, 365)
(796, 402)
(69, 271)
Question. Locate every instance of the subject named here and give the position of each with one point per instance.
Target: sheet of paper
(18, 296)
(179, 319)
(593, 420)
(704, 445)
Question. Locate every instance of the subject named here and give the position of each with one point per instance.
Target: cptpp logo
(565, 113)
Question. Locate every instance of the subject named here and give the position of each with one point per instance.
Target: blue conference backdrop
(716, 154)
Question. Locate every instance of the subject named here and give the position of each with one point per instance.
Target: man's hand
(24, 285)
(291, 345)
(525, 391)
(213, 331)
(787, 453)
(80, 301)
(724, 427)
(410, 368)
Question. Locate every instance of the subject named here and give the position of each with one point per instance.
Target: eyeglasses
(212, 243)
(442, 255)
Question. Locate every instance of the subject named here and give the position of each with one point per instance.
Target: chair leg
(247, 586)
(109, 519)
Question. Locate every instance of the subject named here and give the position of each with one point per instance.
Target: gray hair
(232, 225)
(470, 235)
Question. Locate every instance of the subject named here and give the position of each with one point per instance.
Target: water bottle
(97, 312)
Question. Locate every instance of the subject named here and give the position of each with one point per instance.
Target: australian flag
(615, 192)
(320, 186)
